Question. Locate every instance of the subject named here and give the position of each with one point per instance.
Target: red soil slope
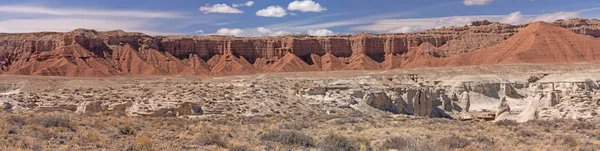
(362, 62)
(229, 64)
(539, 43)
(289, 63)
(73, 60)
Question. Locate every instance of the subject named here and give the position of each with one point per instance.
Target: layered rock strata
(91, 53)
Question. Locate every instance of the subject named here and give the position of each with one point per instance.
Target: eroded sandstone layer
(91, 53)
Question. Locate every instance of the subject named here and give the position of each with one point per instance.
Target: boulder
(315, 91)
(189, 108)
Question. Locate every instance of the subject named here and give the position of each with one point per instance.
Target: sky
(278, 17)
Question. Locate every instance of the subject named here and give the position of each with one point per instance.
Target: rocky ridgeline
(121, 53)
(496, 98)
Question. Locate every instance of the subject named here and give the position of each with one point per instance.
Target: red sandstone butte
(90, 53)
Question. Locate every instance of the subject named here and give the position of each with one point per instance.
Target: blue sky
(276, 17)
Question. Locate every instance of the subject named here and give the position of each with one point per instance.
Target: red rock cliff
(123, 53)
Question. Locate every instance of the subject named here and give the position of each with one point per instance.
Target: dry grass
(108, 132)
(288, 138)
(454, 142)
(55, 120)
(212, 139)
(507, 123)
(240, 148)
(335, 142)
(16, 120)
(142, 143)
(407, 143)
(296, 125)
(126, 128)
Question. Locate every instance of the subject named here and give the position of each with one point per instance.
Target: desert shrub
(400, 143)
(546, 125)
(438, 120)
(13, 130)
(526, 133)
(54, 121)
(16, 120)
(583, 126)
(255, 120)
(507, 123)
(338, 143)
(288, 138)
(566, 140)
(26, 144)
(142, 143)
(454, 142)
(404, 143)
(212, 139)
(91, 137)
(296, 125)
(240, 148)
(484, 140)
(342, 121)
(126, 129)
(589, 147)
(7, 107)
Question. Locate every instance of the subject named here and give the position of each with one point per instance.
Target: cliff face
(122, 53)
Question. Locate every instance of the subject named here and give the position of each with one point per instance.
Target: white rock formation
(540, 101)
(387, 101)
(503, 110)
(465, 101)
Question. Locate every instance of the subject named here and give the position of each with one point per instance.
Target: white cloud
(230, 32)
(247, 4)
(477, 2)
(268, 32)
(251, 32)
(420, 24)
(556, 16)
(404, 29)
(325, 22)
(85, 12)
(272, 11)
(306, 6)
(321, 32)
(220, 8)
(201, 32)
(417, 24)
(64, 25)
(222, 23)
(513, 18)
